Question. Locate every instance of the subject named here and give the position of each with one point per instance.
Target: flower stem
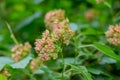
(62, 66)
(11, 32)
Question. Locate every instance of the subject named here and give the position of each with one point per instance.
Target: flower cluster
(52, 16)
(113, 35)
(5, 72)
(35, 62)
(46, 50)
(58, 32)
(20, 51)
(45, 46)
(90, 14)
(59, 26)
(62, 32)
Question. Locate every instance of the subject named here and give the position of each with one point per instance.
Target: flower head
(20, 51)
(58, 32)
(62, 32)
(45, 47)
(5, 72)
(113, 35)
(90, 14)
(52, 16)
(34, 63)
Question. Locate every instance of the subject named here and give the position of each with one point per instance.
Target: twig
(11, 32)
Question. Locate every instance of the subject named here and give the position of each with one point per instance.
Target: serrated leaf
(4, 61)
(23, 63)
(2, 77)
(106, 50)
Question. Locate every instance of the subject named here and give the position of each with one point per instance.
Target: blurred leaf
(106, 50)
(94, 71)
(23, 63)
(107, 60)
(67, 60)
(28, 20)
(4, 61)
(91, 31)
(38, 72)
(19, 7)
(46, 69)
(37, 1)
(107, 4)
(2, 77)
(73, 26)
(83, 71)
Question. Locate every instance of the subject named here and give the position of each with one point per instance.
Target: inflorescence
(20, 51)
(58, 31)
(113, 35)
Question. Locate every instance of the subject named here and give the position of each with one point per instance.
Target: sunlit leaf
(107, 60)
(4, 61)
(106, 50)
(23, 63)
(73, 26)
(2, 77)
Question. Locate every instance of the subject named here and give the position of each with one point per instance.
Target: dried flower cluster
(113, 35)
(90, 14)
(20, 51)
(58, 31)
(5, 72)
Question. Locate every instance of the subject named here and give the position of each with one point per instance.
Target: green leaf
(2, 77)
(73, 26)
(39, 72)
(83, 71)
(91, 31)
(23, 63)
(28, 20)
(95, 71)
(106, 50)
(67, 60)
(4, 61)
(107, 60)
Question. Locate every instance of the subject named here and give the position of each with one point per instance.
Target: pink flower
(20, 51)
(113, 35)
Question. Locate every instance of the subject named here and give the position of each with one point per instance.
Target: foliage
(89, 55)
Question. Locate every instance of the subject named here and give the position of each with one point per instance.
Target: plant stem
(11, 32)
(85, 46)
(28, 73)
(63, 62)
